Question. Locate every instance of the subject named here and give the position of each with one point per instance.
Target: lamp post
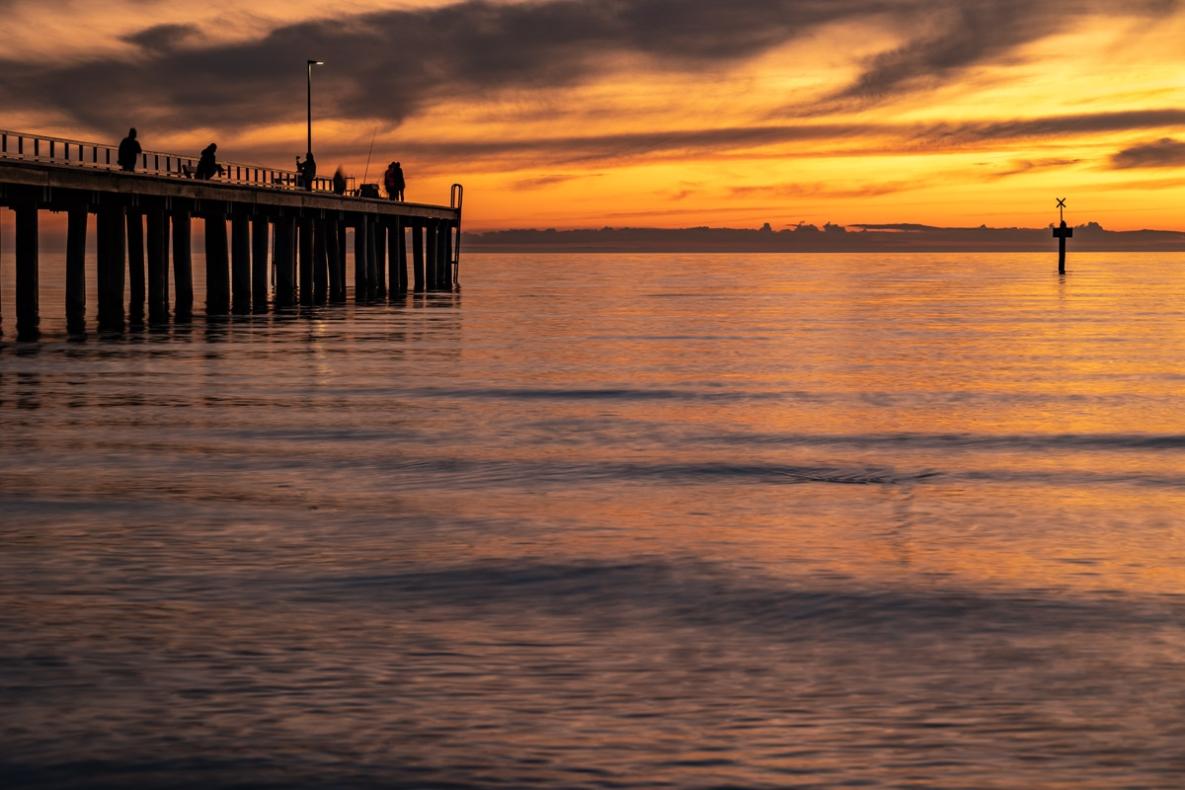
(310, 65)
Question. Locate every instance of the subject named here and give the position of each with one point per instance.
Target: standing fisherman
(394, 182)
(129, 151)
(308, 170)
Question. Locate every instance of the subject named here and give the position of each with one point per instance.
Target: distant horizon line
(795, 226)
(805, 237)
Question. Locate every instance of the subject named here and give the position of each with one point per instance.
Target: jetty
(270, 214)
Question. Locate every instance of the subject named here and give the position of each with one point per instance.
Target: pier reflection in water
(610, 521)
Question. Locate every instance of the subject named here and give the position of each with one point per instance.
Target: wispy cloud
(819, 190)
(862, 138)
(1165, 152)
(941, 40)
(548, 180)
(976, 132)
(1020, 167)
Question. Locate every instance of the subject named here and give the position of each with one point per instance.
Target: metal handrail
(456, 196)
(22, 146)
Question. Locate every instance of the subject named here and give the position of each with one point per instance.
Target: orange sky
(583, 113)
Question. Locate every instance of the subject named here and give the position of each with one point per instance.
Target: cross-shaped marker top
(1061, 209)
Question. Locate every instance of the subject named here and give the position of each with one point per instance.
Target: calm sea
(610, 521)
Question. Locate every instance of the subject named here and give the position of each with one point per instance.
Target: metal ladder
(455, 199)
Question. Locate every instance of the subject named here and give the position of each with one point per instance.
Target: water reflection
(876, 522)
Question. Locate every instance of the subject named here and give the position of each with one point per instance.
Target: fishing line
(366, 172)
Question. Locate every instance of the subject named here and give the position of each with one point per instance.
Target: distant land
(903, 237)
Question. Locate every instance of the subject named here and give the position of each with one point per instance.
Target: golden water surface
(609, 521)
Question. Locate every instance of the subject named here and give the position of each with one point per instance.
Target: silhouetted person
(308, 170)
(394, 182)
(207, 167)
(339, 182)
(129, 151)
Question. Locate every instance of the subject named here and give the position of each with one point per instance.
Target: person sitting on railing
(129, 151)
(207, 167)
(307, 170)
(339, 182)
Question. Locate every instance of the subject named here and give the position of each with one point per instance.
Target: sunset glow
(650, 112)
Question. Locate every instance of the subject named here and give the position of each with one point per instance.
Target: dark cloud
(973, 133)
(389, 65)
(944, 39)
(953, 38)
(1165, 152)
(162, 38)
(848, 139)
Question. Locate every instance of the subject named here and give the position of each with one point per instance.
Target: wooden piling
(337, 290)
(402, 261)
(158, 266)
(341, 256)
(378, 230)
(447, 255)
(27, 309)
(372, 286)
(305, 226)
(182, 267)
(240, 263)
(135, 240)
(432, 243)
(320, 262)
(76, 270)
(259, 248)
(396, 274)
(217, 266)
(111, 227)
(361, 253)
(284, 262)
(417, 255)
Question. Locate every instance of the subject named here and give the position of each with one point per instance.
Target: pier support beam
(337, 286)
(182, 267)
(284, 262)
(240, 263)
(447, 256)
(432, 242)
(76, 270)
(361, 257)
(135, 237)
(378, 230)
(28, 317)
(306, 260)
(396, 262)
(417, 255)
(341, 255)
(111, 227)
(217, 266)
(320, 262)
(158, 266)
(259, 246)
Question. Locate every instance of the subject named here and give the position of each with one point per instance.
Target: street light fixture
(310, 65)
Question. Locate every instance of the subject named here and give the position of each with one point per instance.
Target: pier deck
(300, 232)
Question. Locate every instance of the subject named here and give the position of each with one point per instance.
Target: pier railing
(26, 147)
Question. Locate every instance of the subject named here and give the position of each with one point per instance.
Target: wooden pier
(137, 215)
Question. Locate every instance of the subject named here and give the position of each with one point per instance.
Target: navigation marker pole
(1061, 233)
